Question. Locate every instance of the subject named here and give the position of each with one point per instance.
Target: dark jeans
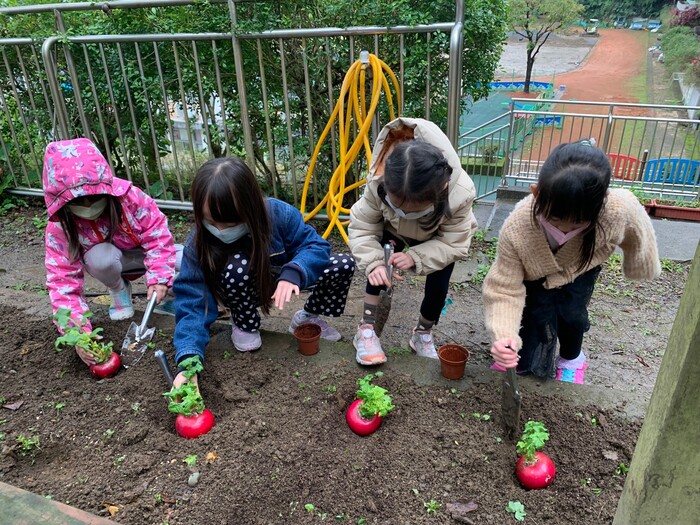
(551, 315)
(436, 284)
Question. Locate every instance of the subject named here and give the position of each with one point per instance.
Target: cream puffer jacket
(436, 248)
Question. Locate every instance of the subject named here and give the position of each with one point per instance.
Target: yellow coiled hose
(353, 94)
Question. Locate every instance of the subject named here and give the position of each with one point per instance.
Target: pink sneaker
(572, 375)
(369, 349)
(245, 341)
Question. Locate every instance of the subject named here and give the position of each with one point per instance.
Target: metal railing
(657, 155)
(158, 105)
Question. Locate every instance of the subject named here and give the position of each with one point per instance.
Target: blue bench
(673, 171)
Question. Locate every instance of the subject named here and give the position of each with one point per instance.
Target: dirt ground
(281, 451)
(281, 442)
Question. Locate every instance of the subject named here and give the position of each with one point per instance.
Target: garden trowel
(384, 306)
(137, 337)
(511, 399)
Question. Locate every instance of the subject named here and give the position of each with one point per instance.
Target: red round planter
(107, 368)
(538, 475)
(191, 427)
(358, 424)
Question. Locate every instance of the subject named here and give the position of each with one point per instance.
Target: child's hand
(180, 379)
(504, 353)
(401, 261)
(283, 293)
(159, 289)
(85, 357)
(378, 277)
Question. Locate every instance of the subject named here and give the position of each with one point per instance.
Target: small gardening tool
(164, 366)
(384, 306)
(511, 398)
(137, 337)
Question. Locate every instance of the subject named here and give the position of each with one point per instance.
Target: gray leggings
(107, 263)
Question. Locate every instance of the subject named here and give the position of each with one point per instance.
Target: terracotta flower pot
(308, 336)
(452, 360)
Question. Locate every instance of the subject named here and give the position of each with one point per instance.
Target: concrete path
(20, 507)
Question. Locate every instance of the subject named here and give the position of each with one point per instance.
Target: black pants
(330, 291)
(437, 284)
(551, 315)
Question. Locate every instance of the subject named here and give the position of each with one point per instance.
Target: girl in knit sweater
(550, 252)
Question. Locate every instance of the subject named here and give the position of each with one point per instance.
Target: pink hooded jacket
(74, 168)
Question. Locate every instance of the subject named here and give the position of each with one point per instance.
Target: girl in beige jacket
(550, 252)
(417, 198)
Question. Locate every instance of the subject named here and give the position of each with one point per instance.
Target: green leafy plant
(186, 399)
(517, 509)
(375, 399)
(190, 460)
(310, 507)
(432, 506)
(28, 446)
(622, 469)
(76, 336)
(534, 437)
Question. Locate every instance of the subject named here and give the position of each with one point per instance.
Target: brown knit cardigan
(524, 255)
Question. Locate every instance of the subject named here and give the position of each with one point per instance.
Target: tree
(536, 20)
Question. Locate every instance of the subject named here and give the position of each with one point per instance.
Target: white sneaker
(369, 349)
(245, 341)
(422, 343)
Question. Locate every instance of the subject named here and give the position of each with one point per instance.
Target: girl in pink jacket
(103, 225)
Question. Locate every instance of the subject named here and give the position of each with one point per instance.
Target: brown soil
(281, 441)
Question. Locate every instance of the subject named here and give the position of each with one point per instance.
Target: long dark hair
(232, 194)
(67, 220)
(418, 172)
(572, 186)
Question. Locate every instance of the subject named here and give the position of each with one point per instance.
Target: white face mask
(91, 212)
(412, 215)
(227, 235)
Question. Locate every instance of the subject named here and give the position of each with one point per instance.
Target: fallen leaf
(104, 300)
(211, 456)
(112, 509)
(610, 454)
(461, 507)
(13, 406)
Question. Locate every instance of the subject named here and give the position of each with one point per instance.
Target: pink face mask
(558, 236)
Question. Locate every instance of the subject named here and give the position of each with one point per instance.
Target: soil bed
(281, 442)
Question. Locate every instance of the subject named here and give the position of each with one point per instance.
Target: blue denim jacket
(294, 245)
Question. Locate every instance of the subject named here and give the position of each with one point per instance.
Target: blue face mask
(412, 215)
(227, 235)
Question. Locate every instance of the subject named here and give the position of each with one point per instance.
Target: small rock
(193, 479)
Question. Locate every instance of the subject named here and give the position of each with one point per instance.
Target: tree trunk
(528, 71)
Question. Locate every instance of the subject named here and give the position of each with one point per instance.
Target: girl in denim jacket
(248, 252)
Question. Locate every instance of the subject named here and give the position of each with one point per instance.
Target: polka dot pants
(328, 296)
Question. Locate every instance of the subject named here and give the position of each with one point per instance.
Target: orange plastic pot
(308, 336)
(453, 358)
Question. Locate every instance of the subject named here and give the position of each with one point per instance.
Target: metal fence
(657, 155)
(160, 104)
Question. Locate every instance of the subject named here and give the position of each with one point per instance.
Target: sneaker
(165, 307)
(245, 341)
(327, 331)
(422, 343)
(572, 375)
(369, 349)
(121, 307)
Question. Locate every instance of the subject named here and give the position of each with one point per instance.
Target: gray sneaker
(422, 343)
(369, 349)
(327, 331)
